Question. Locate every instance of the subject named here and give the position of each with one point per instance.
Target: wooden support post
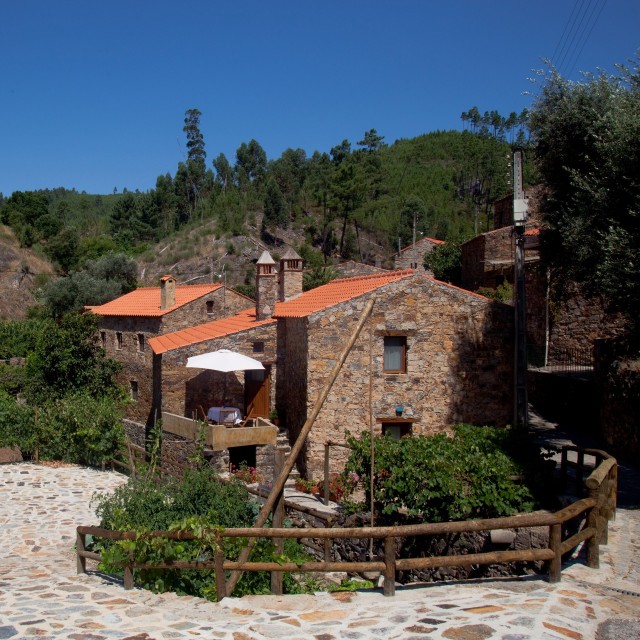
(128, 576)
(555, 544)
(277, 522)
(221, 585)
(81, 562)
(278, 485)
(593, 544)
(326, 472)
(389, 566)
(327, 550)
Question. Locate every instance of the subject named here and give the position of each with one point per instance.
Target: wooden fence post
(81, 561)
(221, 584)
(593, 544)
(555, 544)
(389, 566)
(128, 576)
(277, 522)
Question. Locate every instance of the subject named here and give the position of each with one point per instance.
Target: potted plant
(273, 417)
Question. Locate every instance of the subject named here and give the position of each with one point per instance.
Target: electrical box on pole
(520, 363)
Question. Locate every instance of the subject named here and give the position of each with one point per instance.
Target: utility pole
(519, 219)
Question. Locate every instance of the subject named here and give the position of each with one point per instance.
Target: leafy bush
(201, 503)
(16, 423)
(440, 478)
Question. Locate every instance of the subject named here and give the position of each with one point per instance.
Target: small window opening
(119, 341)
(209, 307)
(396, 431)
(140, 342)
(395, 354)
(103, 339)
(133, 386)
(258, 347)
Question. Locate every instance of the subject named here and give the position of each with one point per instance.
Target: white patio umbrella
(224, 360)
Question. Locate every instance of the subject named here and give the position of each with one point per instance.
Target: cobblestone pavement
(42, 597)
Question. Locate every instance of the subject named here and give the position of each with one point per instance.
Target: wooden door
(256, 392)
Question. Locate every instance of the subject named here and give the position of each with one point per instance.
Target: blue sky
(93, 94)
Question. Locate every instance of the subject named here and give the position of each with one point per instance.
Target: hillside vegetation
(358, 202)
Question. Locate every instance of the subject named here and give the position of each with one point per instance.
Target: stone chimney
(167, 292)
(290, 276)
(266, 286)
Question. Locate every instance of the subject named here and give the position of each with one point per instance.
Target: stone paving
(42, 597)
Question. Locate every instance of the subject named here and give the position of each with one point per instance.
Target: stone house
(412, 256)
(130, 321)
(251, 331)
(442, 354)
(561, 322)
(431, 352)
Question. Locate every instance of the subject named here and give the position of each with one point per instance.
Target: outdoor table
(224, 415)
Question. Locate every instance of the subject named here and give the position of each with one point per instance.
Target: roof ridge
(372, 276)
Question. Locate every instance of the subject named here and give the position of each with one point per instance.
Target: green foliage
(19, 338)
(104, 279)
(201, 503)
(440, 478)
(502, 293)
(445, 260)
(587, 137)
(66, 358)
(16, 423)
(77, 428)
(317, 276)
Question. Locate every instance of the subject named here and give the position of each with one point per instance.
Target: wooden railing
(599, 507)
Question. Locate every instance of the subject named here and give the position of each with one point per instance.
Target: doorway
(239, 456)
(257, 392)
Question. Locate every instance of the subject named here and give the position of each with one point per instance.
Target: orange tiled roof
(216, 329)
(146, 300)
(532, 232)
(335, 292)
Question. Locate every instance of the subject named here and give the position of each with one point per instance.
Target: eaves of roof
(242, 321)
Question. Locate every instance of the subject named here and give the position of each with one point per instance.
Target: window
(140, 342)
(395, 354)
(133, 387)
(396, 430)
(119, 340)
(209, 307)
(258, 347)
(103, 339)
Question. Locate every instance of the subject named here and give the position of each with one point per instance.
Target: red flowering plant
(244, 473)
(340, 485)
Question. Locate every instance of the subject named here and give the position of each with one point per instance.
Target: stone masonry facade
(459, 365)
(132, 351)
(183, 389)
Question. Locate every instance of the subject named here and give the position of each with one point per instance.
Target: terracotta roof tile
(146, 300)
(335, 292)
(209, 331)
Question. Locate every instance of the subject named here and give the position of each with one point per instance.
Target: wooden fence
(594, 510)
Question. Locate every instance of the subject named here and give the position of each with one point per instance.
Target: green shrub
(440, 478)
(201, 503)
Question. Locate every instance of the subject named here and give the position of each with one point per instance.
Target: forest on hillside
(357, 201)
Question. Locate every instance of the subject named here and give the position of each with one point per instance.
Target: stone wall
(459, 364)
(177, 453)
(409, 256)
(577, 321)
(136, 363)
(617, 370)
(184, 389)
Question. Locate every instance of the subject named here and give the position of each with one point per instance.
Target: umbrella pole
(278, 484)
